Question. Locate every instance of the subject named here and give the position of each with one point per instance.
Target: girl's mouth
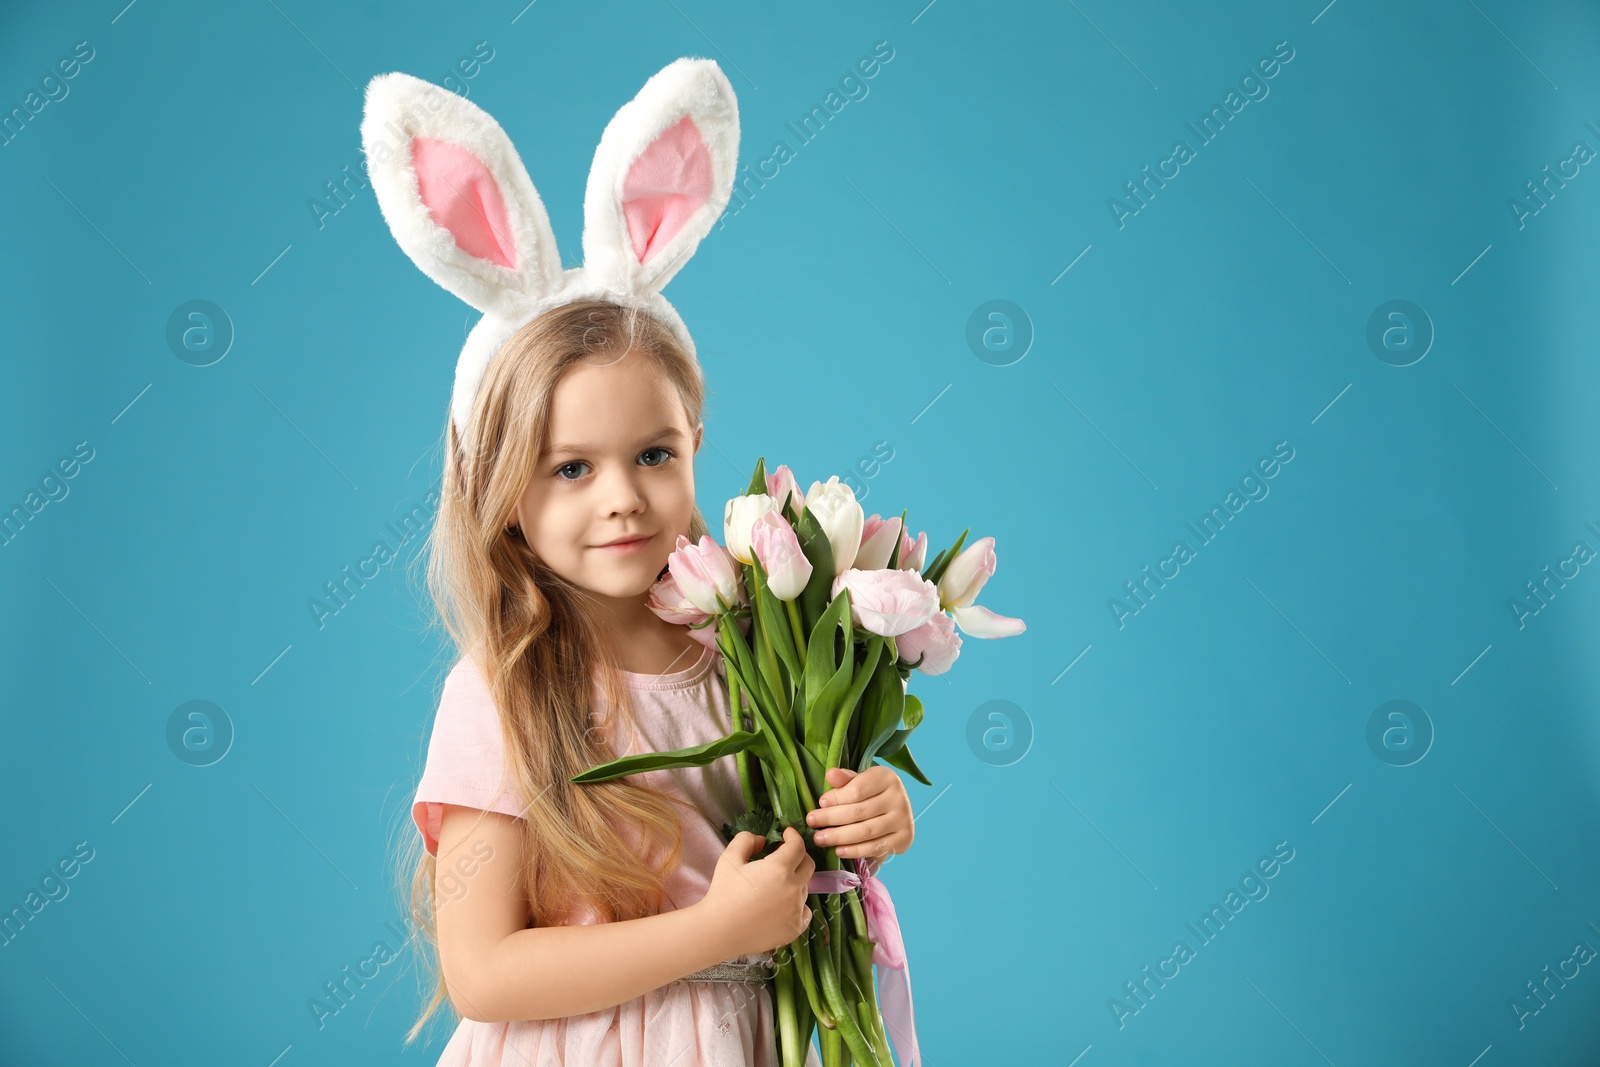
(627, 547)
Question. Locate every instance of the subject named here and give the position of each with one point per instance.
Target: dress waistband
(755, 968)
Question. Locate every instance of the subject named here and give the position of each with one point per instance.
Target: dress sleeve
(466, 756)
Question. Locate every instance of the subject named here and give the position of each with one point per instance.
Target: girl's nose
(621, 492)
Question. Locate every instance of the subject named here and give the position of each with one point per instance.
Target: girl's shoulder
(466, 717)
(465, 690)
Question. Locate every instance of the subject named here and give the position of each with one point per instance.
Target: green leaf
(816, 773)
(787, 794)
(758, 821)
(942, 561)
(896, 742)
(894, 553)
(823, 713)
(775, 624)
(758, 480)
(864, 672)
(913, 712)
(736, 652)
(763, 823)
(696, 756)
(827, 673)
(901, 758)
(819, 552)
(761, 641)
(884, 703)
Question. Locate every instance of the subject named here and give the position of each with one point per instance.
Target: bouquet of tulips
(821, 614)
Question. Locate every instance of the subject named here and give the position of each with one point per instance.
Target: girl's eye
(666, 454)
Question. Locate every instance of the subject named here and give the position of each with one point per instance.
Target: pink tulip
(936, 641)
(912, 554)
(959, 588)
(878, 536)
(707, 575)
(778, 549)
(669, 603)
(782, 487)
(888, 603)
(707, 634)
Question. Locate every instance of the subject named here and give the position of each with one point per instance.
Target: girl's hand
(868, 813)
(761, 905)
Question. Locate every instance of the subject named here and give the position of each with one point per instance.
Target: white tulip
(738, 518)
(833, 504)
(959, 588)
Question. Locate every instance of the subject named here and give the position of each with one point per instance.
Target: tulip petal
(965, 576)
(933, 646)
(978, 621)
(888, 602)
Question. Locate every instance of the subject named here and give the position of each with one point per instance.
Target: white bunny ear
(456, 196)
(661, 176)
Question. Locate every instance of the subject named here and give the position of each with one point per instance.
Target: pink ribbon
(888, 952)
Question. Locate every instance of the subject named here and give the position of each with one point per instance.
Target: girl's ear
(456, 195)
(661, 176)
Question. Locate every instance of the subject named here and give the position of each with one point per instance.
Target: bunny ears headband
(459, 203)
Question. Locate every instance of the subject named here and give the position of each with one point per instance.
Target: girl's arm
(496, 969)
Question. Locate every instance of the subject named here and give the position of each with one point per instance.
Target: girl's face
(620, 464)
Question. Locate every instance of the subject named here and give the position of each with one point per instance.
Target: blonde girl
(603, 925)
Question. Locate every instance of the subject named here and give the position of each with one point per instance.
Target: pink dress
(681, 1024)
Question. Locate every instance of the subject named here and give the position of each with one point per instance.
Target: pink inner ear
(666, 184)
(461, 195)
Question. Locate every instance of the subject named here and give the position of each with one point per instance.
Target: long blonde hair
(538, 638)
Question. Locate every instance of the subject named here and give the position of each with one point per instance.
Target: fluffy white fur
(400, 107)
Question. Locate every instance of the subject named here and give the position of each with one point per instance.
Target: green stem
(776, 728)
(833, 1048)
(857, 912)
(740, 759)
(869, 1018)
(807, 969)
(807, 1020)
(780, 690)
(799, 630)
(872, 1017)
(847, 708)
(779, 730)
(799, 950)
(849, 1027)
(766, 658)
(861, 946)
(788, 1021)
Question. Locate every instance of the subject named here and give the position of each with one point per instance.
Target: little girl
(612, 420)
(607, 924)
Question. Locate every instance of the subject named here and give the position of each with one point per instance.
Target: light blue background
(831, 313)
